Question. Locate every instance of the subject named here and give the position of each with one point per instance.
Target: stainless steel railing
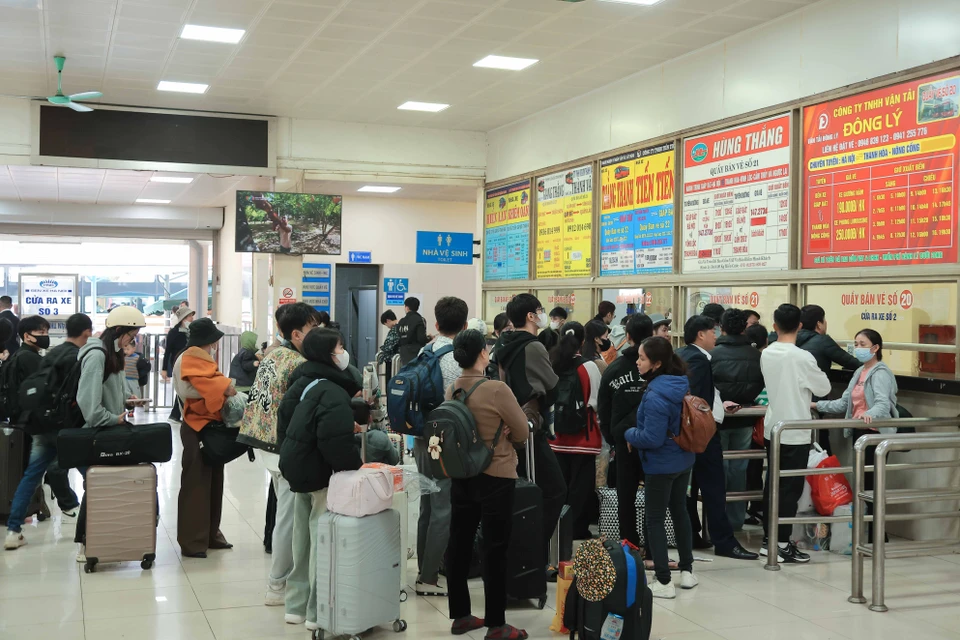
(880, 550)
(152, 347)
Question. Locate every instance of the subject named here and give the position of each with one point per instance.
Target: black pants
(661, 492)
(59, 482)
(792, 456)
(580, 473)
(270, 518)
(710, 479)
(487, 502)
(629, 475)
(549, 478)
(755, 482)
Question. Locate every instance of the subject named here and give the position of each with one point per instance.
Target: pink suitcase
(121, 515)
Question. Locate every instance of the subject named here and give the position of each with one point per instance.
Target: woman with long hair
(596, 341)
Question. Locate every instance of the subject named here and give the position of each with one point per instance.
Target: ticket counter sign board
(880, 176)
(736, 198)
(565, 223)
(636, 212)
(507, 233)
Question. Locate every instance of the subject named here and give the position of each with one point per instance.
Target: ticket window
(657, 302)
(763, 300)
(576, 302)
(916, 314)
(494, 303)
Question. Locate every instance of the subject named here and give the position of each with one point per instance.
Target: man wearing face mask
(558, 315)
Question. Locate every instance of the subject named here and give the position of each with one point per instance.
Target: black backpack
(9, 387)
(48, 398)
(456, 448)
(570, 410)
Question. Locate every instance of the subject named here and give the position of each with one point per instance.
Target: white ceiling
(445, 193)
(357, 60)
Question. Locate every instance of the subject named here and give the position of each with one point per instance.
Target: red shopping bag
(831, 490)
(758, 432)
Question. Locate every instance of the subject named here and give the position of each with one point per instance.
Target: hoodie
(243, 368)
(101, 400)
(621, 390)
(525, 367)
(658, 420)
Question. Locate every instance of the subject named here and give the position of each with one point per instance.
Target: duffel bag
(122, 444)
(360, 493)
(218, 444)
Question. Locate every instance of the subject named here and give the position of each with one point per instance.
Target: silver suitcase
(121, 515)
(358, 573)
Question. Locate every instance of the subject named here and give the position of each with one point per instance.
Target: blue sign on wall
(316, 285)
(396, 285)
(443, 247)
(360, 257)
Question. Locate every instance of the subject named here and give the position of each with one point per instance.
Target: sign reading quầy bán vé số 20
(444, 247)
(48, 295)
(565, 223)
(507, 233)
(736, 197)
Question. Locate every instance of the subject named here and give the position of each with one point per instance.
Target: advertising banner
(636, 212)
(880, 169)
(565, 223)
(736, 198)
(507, 233)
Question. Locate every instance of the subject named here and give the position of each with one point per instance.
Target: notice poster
(736, 197)
(565, 223)
(506, 233)
(636, 212)
(880, 169)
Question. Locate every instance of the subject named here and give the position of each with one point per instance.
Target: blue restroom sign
(360, 257)
(444, 247)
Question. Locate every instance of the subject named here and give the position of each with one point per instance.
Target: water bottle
(612, 627)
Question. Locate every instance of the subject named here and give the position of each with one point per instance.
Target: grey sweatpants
(433, 528)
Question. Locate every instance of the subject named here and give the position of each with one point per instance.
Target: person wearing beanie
(243, 368)
(204, 391)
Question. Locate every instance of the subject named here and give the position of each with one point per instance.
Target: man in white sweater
(792, 378)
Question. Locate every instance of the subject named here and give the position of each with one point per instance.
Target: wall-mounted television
(293, 223)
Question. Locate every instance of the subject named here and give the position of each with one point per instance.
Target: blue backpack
(415, 391)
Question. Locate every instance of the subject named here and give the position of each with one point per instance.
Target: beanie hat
(203, 332)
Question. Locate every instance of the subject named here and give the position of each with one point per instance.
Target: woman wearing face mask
(176, 343)
(315, 426)
(596, 341)
(101, 393)
(871, 395)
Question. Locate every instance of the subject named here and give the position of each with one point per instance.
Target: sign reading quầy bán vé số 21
(636, 212)
(444, 247)
(880, 176)
(565, 223)
(48, 295)
(507, 233)
(317, 285)
(736, 197)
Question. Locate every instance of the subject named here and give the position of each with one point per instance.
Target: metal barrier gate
(152, 346)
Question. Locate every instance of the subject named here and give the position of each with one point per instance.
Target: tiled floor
(44, 593)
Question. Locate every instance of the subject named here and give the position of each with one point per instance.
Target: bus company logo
(524, 197)
(541, 186)
(699, 152)
(568, 178)
(49, 284)
(621, 173)
(503, 202)
(823, 122)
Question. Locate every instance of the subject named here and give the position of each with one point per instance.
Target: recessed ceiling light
(211, 34)
(432, 107)
(375, 189)
(645, 3)
(171, 180)
(182, 87)
(505, 62)
(152, 201)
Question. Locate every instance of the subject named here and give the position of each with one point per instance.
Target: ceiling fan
(71, 100)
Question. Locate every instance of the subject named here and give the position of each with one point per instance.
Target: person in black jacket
(621, 389)
(176, 344)
(315, 425)
(412, 330)
(12, 343)
(708, 476)
(736, 373)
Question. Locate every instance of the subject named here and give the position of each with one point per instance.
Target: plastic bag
(415, 482)
(563, 586)
(816, 456)
(815, 537)
(831, 490)
(841, 534)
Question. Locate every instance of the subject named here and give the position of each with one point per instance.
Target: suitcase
(121, 515)
(358, 573)
(526, 573)
(610, 518)
(14, 457)
(123, 444)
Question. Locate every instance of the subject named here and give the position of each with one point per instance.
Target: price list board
(565, 223)
(636, 212)
(880, 176)
(506, 233)
(736, 198)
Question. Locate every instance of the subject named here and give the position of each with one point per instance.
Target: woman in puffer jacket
(315, 425)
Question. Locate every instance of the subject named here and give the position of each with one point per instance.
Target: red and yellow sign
(880, 173)
(565, 223)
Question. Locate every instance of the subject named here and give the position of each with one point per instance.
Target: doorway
(357, 293)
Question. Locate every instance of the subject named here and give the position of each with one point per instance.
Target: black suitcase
(526, 570)
(14, 457)
(122, 444)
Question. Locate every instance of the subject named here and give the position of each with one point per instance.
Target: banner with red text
(506, 233)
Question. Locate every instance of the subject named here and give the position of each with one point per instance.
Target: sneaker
(425, 589)
(274, 597)
(311, 626)
(665, 591)
(688, 580)
(81, 552)
(14, 540)
(292, 618)
(792, 555)
(763, 548)
(70, 513)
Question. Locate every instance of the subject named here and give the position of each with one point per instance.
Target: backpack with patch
(455, 446)
(697, 425)
(570, 409)
(415, 391)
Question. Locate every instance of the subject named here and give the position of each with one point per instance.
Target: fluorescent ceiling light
(171, 180)
(211, 34)
(645, 3)
(152, 201)
(505, 62)
(375, 189)
(432, 107)
(182, 87)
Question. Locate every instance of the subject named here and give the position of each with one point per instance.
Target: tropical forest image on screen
(294, 223)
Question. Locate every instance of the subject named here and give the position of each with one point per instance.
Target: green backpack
(455, 446)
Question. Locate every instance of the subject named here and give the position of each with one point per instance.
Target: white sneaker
(688, 580)
(81, 552)
(292, 618)
(274, 597)
(665, 591)
(311, 626)
(72, 513)
(14, 540)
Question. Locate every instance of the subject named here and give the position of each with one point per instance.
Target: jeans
(549, 478)
(792, 456)
(301, 596)
(282, 558)
(665, 491)
(43, 454)
(433, 527)
(487, 502)
(735, 471)
(629, 474)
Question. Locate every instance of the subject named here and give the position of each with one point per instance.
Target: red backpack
(697, 425)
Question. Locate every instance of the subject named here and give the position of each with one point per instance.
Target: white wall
(821, 47)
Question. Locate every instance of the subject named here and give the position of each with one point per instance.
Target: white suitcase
(358, 573)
